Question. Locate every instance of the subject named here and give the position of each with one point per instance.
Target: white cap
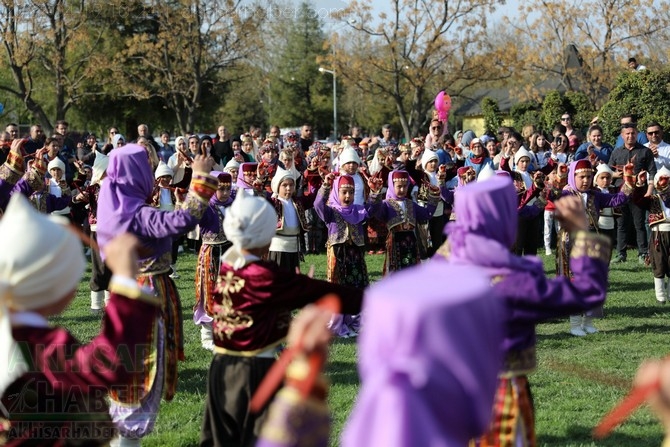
(427, 156)
(56, 163)
(663, 172)
(279, 177)
(162, 170)
(520, 153)
(602, 169)
(349, 155)
(99, 167)
(485, 173)
(232, 164)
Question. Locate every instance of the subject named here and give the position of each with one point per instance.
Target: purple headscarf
(390, 190)
(353, 214)
(585, 164)
(428, 370)
(240, 176)
(486, 228)
(124, 192)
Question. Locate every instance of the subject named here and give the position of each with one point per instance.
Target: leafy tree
(181, 60)
(608, 32)
(492, 114)
(298, 93)
(526, 113)
(553, 106)
(645, 94)
(48, 49)
(413, 52)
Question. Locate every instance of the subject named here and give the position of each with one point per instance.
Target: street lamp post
(323, 70)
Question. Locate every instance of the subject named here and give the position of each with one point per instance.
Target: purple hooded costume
(428, 370)
(482, 237)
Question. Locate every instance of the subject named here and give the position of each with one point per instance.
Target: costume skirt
(171, 317)
(401, 251)
(346, 265)
(231, 383)
(206, 272)
(377, 232)
(285, 260)
(135, 417)
(513, 422)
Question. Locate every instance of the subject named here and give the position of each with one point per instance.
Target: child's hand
(329, 179)
(310, 329)
(202, 163)
(375, 184)
(653, 372)
(642, 178)
(571, 214)
(121, 255)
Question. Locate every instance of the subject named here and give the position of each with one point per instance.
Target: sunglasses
(566, 119)
(435, 128)
(654, 132)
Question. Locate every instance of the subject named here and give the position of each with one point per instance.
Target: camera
(558, 140)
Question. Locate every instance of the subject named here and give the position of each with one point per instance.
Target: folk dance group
(468, 339)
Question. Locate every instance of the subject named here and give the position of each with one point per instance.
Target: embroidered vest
(279, 208)
(346, 232)
(658, 211)
(403, 220)
(220, 236)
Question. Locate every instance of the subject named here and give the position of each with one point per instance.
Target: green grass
(578, 379)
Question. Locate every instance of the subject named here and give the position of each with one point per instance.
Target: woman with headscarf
(482, 236)
(122, 208)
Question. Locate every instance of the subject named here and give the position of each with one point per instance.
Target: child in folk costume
(165, 197)
(214, 245)
(318, 165)
(100, 273)
(558, 178)
(658, 206)
(123, 208)
(432, 177)
(232, 168)
(580, 184)
(606, 222)
(57, 186)
(15, 177)
(291, 222)
(530, 224)
(482, 237)
(346, 243)
(401, 216)
(53, 388)
(248, 180)
(252, 313)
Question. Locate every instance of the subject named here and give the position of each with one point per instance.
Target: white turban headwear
(41, 263)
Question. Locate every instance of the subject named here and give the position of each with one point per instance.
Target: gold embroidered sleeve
(35, 178)
(627, 189)
(202, 187)
(591, 245)
(8, 174)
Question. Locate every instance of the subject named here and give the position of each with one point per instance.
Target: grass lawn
(577, 381)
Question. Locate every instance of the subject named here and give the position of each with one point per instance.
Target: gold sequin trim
(592, 246)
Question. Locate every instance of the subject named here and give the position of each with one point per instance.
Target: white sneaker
(547, 251)
(209, 345)
(578, 332)
(180, 249)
